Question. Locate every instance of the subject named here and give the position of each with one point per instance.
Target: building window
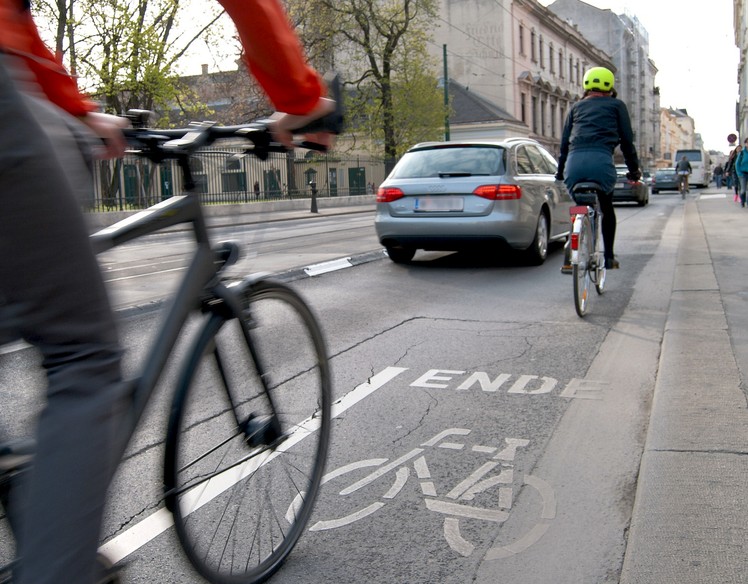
(561, 63)
(533, 54)
(571, 68)
(521, 40)
(534, 114)
(541, 50)
(550, 59)
(576, 72)
(523, 107)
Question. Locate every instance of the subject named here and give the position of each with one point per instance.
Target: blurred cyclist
(683, 168)
(596, 124)
(51, 291)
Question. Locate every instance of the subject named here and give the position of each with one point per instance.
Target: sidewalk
(690, 516)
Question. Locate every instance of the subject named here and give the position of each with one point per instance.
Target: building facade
(627, 42)
(520, 56)
(740, 23)
(550, 59)
(676, 132)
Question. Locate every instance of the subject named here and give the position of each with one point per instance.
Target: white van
(701, 165)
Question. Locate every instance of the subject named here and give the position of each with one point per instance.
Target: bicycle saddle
(588, 186)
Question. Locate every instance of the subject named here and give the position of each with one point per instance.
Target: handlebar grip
(332, 122)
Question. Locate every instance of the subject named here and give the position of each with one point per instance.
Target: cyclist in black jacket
(596, 124)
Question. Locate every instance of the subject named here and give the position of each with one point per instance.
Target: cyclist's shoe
(612, 264)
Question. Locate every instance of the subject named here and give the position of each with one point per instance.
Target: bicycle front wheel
(248, 437)
(581, 270)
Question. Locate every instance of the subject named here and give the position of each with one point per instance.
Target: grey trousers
(52, 295)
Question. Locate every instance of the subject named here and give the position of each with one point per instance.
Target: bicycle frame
(586, 257)
(578, 213)
(201, 272)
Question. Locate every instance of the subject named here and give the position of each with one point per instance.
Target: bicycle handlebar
(158, 145)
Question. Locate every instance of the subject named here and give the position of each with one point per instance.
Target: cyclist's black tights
(608, 222)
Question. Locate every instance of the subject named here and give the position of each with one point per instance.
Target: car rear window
(451, 161)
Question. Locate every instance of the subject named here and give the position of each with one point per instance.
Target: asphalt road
(508, 431)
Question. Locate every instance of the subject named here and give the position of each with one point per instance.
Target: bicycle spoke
(230, 499)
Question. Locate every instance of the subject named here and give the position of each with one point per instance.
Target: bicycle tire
(601, 271)
(581, 270)
(230, 499)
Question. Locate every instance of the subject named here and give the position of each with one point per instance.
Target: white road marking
(158, 522)
(325, 267)
(454, 537)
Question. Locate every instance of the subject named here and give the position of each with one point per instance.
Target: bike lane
(523, 473)
(481, 452)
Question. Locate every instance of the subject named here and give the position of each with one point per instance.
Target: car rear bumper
(451, 234)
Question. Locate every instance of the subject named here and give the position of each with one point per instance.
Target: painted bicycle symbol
(495, 475)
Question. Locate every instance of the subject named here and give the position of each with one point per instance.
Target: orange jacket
(18, 35)
(272, 52)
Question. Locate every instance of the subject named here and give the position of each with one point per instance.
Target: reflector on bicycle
(578, 210)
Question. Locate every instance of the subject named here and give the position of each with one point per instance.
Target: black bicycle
(248, 436)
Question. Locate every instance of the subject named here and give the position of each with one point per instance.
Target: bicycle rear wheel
(601, 272)
(248, 433)
(581, 269)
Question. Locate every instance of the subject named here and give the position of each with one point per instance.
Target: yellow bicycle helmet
(599, 79)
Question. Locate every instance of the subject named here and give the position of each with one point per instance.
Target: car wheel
(400, 255)
(538, 250)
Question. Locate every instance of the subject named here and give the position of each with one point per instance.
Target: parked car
(665, 179)
(451, 196)
(628, 190)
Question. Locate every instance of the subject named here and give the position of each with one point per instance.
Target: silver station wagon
(487, 196)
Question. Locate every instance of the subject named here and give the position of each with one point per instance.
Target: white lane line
(158, 522)
(325, 267)
(146, 275)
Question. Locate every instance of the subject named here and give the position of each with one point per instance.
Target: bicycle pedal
(567, 269)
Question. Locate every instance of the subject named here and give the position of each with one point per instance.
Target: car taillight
(498, 192)
(389, 194)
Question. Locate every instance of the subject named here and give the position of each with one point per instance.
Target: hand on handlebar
(635, 175)
(282, 125)
(109, 129)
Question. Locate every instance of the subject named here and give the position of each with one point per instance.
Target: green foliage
(125, 51)
(380, 46)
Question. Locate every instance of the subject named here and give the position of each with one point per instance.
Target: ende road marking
(523, 384)
(155, 524)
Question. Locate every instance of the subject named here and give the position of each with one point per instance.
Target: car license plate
(620, 185)
(432, 204)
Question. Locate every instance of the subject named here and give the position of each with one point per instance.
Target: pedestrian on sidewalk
(718, 173)
(741, 167)
(730, 172)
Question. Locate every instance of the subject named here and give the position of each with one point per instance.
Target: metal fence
(229, 176)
